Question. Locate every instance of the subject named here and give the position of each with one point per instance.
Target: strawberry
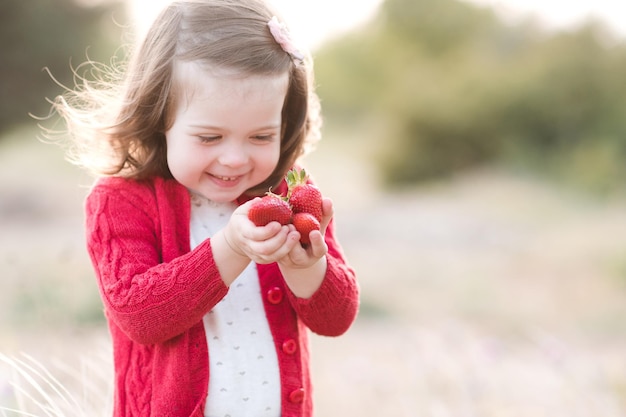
(305, 223)
(304, 197)
(270, 208)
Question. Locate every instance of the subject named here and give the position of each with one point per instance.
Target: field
(491, 294)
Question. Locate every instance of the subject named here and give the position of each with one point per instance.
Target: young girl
(208, 314)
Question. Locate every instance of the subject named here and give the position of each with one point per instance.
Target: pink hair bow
(281, 35)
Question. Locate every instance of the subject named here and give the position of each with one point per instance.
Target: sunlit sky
(314, 21)
(311, 21)
(563, 13)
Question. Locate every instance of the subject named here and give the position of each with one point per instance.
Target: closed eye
(264, 138)
(209, 139)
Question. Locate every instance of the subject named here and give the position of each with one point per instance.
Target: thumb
(327, 213)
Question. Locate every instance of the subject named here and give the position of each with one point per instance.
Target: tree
(442, 86)
(53, 35)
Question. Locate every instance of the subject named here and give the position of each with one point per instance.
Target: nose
(233, 155)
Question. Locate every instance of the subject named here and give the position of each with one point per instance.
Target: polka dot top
(243, 366)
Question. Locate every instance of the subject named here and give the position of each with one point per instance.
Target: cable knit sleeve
(333, 307)
(152, 286)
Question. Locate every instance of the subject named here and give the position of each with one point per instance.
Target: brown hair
(118, 123)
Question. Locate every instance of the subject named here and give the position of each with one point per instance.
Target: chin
(223, 197)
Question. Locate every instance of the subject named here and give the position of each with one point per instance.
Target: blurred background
(475, 152)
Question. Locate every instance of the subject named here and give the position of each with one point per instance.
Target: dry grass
(58, 388)
(487, 295)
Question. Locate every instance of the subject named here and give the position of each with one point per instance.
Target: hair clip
(282, 37)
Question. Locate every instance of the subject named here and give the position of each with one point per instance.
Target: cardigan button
(275, 295)
(290, 346)
(297, 396)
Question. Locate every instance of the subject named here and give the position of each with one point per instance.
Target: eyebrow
(209, 126)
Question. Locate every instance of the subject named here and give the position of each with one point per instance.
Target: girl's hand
(261, 244)
(304, 268)
(305, 256)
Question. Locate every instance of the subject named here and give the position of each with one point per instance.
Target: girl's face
(226, 133)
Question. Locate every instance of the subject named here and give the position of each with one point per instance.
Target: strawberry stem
(271, 194)
(295, 178)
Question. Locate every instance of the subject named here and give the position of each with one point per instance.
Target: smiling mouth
(219, 177)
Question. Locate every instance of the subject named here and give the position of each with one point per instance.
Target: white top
(244, 378)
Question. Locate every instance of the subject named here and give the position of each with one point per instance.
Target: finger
(318, 247)
(275, 247)
(327, 213)
(285, 251)
(298, 255)
(245, 207)
(263, 233)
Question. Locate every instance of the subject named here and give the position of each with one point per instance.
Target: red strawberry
(305, 223)
(303, 197)
(271, 208)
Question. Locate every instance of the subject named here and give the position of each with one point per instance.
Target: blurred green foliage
(437, 86)
(441, 86)
(52, 34)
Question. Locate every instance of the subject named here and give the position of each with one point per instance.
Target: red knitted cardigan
(156, 290)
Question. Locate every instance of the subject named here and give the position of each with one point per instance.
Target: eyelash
(262, 138)
(208, 139)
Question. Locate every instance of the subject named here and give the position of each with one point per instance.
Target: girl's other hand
(304, 268)
(305, 256)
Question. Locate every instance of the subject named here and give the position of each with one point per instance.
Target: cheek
(271, 158)
(171, 154)
(179, 159)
